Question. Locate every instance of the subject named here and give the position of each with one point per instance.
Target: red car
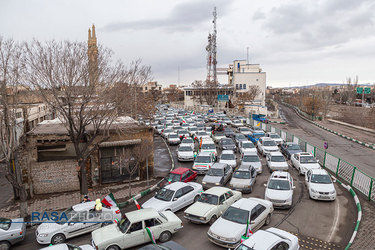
(179, 174)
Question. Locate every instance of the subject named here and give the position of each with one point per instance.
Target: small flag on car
(151, 235)
(109, 201)
(137, 204)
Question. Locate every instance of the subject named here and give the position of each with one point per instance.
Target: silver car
(251, 158)
(11, 232)
(218, 175)
(243, 179)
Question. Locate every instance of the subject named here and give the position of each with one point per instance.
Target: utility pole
(247, 55)
(214, 61)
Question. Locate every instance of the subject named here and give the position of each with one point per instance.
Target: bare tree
(80, 94)
(206, 92)
(248, 96)
(11, 69)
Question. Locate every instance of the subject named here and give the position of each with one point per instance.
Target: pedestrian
(85, 199)
(98, 206)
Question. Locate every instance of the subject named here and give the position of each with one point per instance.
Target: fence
(339, 167)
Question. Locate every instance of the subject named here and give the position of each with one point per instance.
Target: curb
(149, 190)
(276, 122)
(359, 211)
(330, 130)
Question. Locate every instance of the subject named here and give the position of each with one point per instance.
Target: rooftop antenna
(247, 55)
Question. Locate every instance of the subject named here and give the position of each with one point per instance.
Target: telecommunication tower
(211, 53)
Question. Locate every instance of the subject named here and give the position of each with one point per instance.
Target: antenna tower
(211, 53)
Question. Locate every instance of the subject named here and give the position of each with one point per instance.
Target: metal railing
(340, 168)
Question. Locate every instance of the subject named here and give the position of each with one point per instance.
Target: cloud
(258, 15)
(184, 17)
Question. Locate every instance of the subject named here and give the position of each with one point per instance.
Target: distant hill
(328, 84)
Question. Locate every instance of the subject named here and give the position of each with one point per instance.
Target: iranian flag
(248, 232)
(151, 235)
(109, 201)
(136, 203)
(183, 120)
(192, 112)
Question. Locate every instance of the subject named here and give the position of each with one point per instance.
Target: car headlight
(203, 182)
(313, 190)
(43, 235)
(202, 218)
(217, 183)
(333, 192)
(194, 167)
(187, 214)
(232, 239)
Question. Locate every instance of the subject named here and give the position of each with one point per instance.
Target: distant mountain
(328, 84)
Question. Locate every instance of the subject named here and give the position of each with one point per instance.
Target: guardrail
(340, 168)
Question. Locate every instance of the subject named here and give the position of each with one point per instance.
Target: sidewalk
(64, 200)
(365, 237)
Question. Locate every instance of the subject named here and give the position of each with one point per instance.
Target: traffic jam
(219, 160)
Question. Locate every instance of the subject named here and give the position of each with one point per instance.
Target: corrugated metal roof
(119, 143)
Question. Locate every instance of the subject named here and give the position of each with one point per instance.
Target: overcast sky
(297, 42)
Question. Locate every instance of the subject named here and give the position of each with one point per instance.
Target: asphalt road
(360, 156)
(317, 224)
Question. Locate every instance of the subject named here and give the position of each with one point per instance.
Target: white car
(266, 145)
(131, 230)
(279, 189)
(251, 158)
(203, 162)
(165, 132)
(77, 215)
(272, 238)
(275, 137)
(320, 185)
(211, 205)
(202, 135)
(276, 162)
(188, 141)
(243, 179)
(246, 146)
(192, 131)
(228, 157)
(303, 162)
(229, 228)
(217, 136)
(173, 139)
(237, 123)
(209, 146)
(174, 196)
(185, 153)
(65, 246)
(245, 131)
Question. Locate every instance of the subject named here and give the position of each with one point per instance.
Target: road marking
(336, 221)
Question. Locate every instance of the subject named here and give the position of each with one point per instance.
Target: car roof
(319, 171)
(179, 170)
(208, 142)
(304, 154)
(219, 165)
(275, 154)
(262, 239)
(227, 152)
(175, 185)
(250, 153)
(205, 153)
(245, 203)
(217, 190)
(264, 138)
(84, 206)
(280, 175)
(246, 168)
(142, 214)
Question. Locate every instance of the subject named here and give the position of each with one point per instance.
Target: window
(254, 214)
(228, 195)
(240, 86)
(135, 227)
(236, 86)
(152, 222)
(244, 86)
(145, 88)
(184, 176)
(260, 208)
(281, 246)
(257, 80)
(221, 199)
(179, 193)
(187, 189)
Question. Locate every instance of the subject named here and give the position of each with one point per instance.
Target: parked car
(189, 141)
(12, 231)
(185, 153)
(246, 146)
(217, 135)
(279, 189)
(266, 145)
(275, 137)
(218, 175)
(159, 129)
(228, 229)
(243, 179)
(237, 123)
(165, 132)
(178, 174)
(245, 131)
(66, 246)
(272, 238)
(174, 196)
(239, 138)
(276, 162)
(303, 162)
(203, 162)
(320, 185)
(251, 158)
(169, 245)
(289, 148)
(228, 157)
(57, 232)
(256, 129)
(211, 204)
(192, 131)
(131, 230)
(227, 144)
(228, 132)
(173, 139)
(182, 133)
(201, 135)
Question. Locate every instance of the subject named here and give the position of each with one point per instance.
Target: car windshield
(193, 129)
(277, 158)
(257, 135)
(244, 247)
(185, 149)
(257, 128)
(173, 177)
(182, 132)
(202, 133)
(236, 215)
(240, 137)
(187, 141)
(248, 145)
(274, 136)
(208, 198)
(250, 158)
(124, 225)
(320, 178)
(293, 147)
(173, 136)
(227, 157)
(219, 134)
(241, 175)
(307, 159)
(70, 213)
(203, 159)
(164, 194)
(168, 131)
(215, 172)
(269, 143)
(5, 223)
(208, 146)
(279, 184)
(227, 142)
(244, 129)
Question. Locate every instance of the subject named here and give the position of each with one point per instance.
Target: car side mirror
(334, 181)
(317, 161)
(294, 187)
(265, 184)
(175, 199)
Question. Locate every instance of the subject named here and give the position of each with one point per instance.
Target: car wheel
(251, 189)
(165, 236)
(58, 238)
(300, 172)
(268, 220)
(212, 220)
(196, 198)
(4, 245)
(113, 248)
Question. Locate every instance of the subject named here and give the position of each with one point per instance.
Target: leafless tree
(248, 96)
(80, 94)
(11, 70)
(206, 92)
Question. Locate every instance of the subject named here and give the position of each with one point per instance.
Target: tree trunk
(83, 178)
(23, 202)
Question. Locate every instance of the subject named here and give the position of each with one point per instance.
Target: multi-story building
(151, 86)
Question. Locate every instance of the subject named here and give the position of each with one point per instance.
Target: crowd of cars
(230, 161)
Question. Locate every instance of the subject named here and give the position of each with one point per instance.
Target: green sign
(359, 90)
(367, 90)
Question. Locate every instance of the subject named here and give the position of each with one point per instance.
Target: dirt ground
(360, 116)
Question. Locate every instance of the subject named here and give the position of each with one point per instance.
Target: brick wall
(54, 176)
